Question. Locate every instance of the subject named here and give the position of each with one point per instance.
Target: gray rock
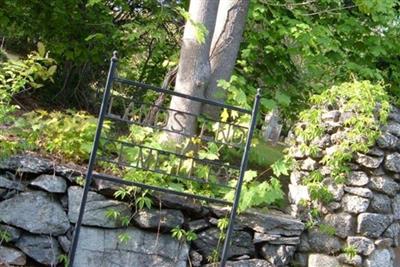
(198, 225)
(355, 261)
(368, 161)
(358, 178)
(35, 212)
(383, 242)
(343, 223)
(381, 203)
(387, 141)
(64, 242)
(278, 255)
(43, 249)
(322, 142)
(354, 204)
(363, 245)
(165, 219)
(11, 185)
(106, 188)
(333, 206)
(96, 208)
(332, 115)
(300, 260)
(394, 114)
(102, 248)
(11, 256)
(393, 232)
(380, 258)
(272, 223)
(261, 237)
(286, 241)
(376, 152)
(384, 184)
(324, 243)
(396, 207)
(296, 177)
(372, 224)
(27, 164)
(244, 263)
(13, 233)
(195, 258)
(359, 191)
(207, 241)
(392, 162)
(318, 260)
(335, 189)
(189, 205)
(304, 245)
(50, 183)
(393, 128)
(298, 193)
(309, 164)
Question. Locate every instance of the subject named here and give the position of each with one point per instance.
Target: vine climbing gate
(134, 110)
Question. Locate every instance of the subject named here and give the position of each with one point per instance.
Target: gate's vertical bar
(243, 167)
(92, 158)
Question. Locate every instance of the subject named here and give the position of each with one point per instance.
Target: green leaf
(41, 49)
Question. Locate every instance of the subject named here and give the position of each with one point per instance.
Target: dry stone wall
(365, 210)
(39, 204)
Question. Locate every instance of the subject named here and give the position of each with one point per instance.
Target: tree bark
(224, 48)
(194, 68)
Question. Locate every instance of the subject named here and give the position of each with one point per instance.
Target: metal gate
(108, 112)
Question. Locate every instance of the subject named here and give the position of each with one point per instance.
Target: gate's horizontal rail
(170, 92)
(118, 180)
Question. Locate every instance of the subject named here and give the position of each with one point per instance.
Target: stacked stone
(365, 211)
(39, 204)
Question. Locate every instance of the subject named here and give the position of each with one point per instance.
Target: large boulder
(102, 248)
(50, 183)
(28, 164)
(96, 208)
(372, 224)
(35, 212)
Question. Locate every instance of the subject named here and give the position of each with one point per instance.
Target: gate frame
(111, 77)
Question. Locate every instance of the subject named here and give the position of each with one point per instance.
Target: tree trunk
(224, 49)
(194, 68)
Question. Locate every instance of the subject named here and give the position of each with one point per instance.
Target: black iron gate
(107, 112)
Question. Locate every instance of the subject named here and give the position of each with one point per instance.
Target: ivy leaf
(269, 104)
(282, 98)
(249, 176)
(280, 167)
(41, 49)
(224, 115)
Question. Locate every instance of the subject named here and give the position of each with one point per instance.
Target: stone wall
(366, 209)
(39, 204)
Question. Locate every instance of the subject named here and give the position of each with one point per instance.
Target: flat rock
(35, 212)
(244, 263)
(27, 164)
(11, 256)
(381, 203)
(50, 183)
(298, 193)
(278, 255)
(372, 224)
(343, 222)
(308, 164)
(198, 225)
(64, 242)
(207, 241)
(96, 208)
(178, 202)
(368, 161)
(318, 260)
(359, 191)
(165, 219)
(324, 243)
(10, 184)
(384, 184)
(358, 178)
(380, 258)
(354, 204)
(387, 141)
(272, 223)
(41, 248)
(102, 248)
(393, 128)
(392, 162)
(363, 245)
